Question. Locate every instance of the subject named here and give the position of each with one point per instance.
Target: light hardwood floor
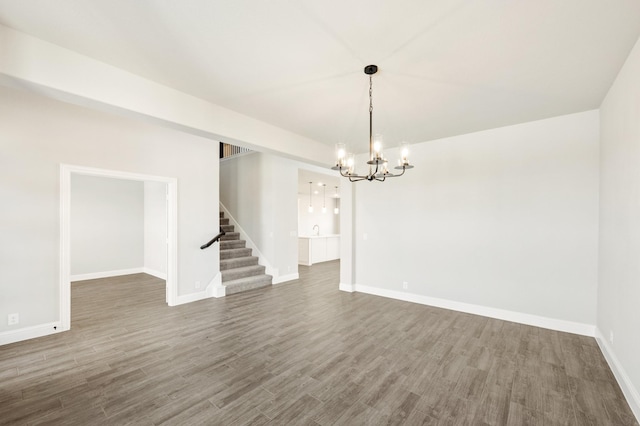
(298, 353)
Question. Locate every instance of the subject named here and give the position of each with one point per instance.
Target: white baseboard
(215, 287)
(107, 274)
(347, 287)
(628, 389)
(26, 333)
(485, 311)
(192, 297)
(157, 274)
(284, 278)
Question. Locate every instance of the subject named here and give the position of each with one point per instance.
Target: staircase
(240, 270)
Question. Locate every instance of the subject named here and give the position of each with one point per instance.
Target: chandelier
(378, 169)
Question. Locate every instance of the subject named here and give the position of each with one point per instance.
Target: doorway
(167, 184)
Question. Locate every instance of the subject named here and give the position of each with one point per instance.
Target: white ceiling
(317, 180)
(446, 67)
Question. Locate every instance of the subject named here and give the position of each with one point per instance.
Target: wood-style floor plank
(298, 353)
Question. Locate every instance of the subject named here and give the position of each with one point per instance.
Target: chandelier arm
(395, 175)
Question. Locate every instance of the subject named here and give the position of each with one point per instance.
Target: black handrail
(216, 238)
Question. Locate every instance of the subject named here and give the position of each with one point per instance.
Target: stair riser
(238, 262)
(235, 274)
(231, 244)
(239, 288)
(221, 214)
(224, 221)
(227, 228)
(232, 254)
(230, 236)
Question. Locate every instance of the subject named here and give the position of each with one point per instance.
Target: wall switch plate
(13, 319)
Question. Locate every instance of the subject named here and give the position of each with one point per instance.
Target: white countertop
(319, 236)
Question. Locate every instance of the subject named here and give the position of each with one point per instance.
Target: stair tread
(264, 278)
(241, 272)
(238, 259)
(232, 244)
(237, 262)
(232, 253)
(248, 279)
(245, 268)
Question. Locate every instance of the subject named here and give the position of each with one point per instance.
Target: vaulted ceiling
(446, 67)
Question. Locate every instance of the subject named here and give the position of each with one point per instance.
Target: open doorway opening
(130, 219)
(318, 217)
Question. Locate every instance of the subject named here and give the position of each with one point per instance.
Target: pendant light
(336, 210)
(324, 198)
(310, 206)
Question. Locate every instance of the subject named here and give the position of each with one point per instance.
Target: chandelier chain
(370, 94)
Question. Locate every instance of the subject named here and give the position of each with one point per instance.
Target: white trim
(628, 389)
(192, 297)
(347, 287)
(262, 260)
(284, 278)
(215, 287)
(155, 273)
(106, 274)
(65, 246)
(64, 282)
(234, 156)
(32, 332)
(485, 311)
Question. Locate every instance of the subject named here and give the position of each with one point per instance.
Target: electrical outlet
(611, 336)
(197, 284)
(405, 285)
(13, 319)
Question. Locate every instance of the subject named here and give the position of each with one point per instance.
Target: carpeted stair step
(232, 244)
(247, 283)
(221, 214)
(224, 221)
(238, 262)
(233, 253)
(227, 228)
(230, 236)
(245, 271)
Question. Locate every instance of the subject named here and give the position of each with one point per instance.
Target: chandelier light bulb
(404, 153)
(341, 153)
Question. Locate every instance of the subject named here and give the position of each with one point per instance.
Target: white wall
(106, 225)
(155, 228)
(26, 61)
(328, 222)
(619, 262)
(260, 191)
(38, 134)
(504, 218)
